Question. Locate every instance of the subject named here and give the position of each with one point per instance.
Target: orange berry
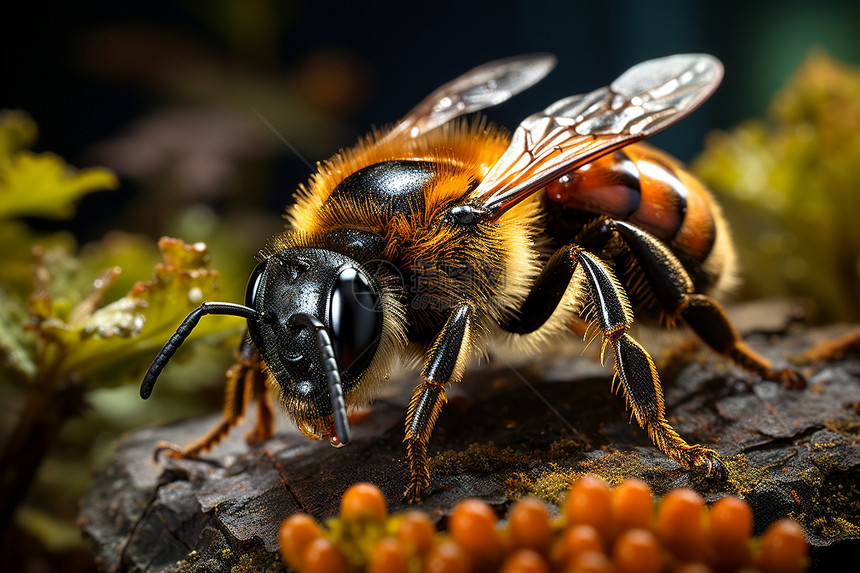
(637, 551)
(387, 556)
(416, 531)
(632, 505)
(524, 561)
(575, 541)
(528, 523)
(589, 502)
(730, 532)
(681, 524)
(363, 501)
(731, 521)
(783, 548)
(297, 531)
(447, 557)
(472, 525)
(591, 562)
(321, 556)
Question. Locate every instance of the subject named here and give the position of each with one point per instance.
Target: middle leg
(637, 371)
(633, 364)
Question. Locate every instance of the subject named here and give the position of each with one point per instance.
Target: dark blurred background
(213, 112)
(135, 85)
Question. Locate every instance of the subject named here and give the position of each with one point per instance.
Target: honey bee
(436, 237)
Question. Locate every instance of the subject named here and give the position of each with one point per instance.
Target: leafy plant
(791, 180)
(74, 321)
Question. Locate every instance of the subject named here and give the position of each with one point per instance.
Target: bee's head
(315, 317)
(321, 319)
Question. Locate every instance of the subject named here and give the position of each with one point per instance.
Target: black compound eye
(254, 285)
(355, 319)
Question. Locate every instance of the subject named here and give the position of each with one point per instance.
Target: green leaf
(127, 333)
(789, 183)
(19, 242)
(14, 347)
(44, 185)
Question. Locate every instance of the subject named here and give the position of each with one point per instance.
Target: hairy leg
(246, 380)
(444, 363)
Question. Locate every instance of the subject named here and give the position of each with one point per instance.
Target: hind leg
(835, 349)
(673, 289)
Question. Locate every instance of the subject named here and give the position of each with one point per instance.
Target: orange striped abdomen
(648, 188)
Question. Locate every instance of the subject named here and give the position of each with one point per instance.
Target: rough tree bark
(789, 453)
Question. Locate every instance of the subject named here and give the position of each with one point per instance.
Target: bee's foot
(171, 451)
(708, 462)
(788, 377)
(413, 492)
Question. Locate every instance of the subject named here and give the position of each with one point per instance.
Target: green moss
(550, 485)
(517, 466)
(258, 562)
(566, 447)
(251, 561)
(744, 477)
(615, 466)
(488, 458)
(789, 186)
(826, 464)
(835, 527)
(836, 511)
(476, 458)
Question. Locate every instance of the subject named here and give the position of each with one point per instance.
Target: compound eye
(254, 285)
(355, 318)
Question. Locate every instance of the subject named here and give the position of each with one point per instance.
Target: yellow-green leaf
(99, 339)
(44, 185)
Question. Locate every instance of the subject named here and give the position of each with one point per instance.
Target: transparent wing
(646, 99)
(482, 87)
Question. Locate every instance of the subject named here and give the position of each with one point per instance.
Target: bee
(443, 234)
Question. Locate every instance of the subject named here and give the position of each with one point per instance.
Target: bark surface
(509, 428)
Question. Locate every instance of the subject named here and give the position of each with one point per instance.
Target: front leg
(246, 380)
(443, 363)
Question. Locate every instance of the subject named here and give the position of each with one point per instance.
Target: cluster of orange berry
(601, 530)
